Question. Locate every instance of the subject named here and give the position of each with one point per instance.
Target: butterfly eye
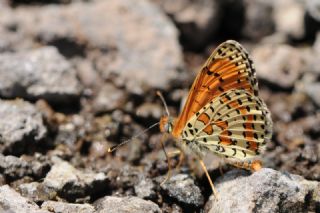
(168, 127)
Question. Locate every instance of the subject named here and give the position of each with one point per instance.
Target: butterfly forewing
(235, 124)
(228, 67)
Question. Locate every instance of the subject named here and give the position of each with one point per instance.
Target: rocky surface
(12, 201)
(12, 167)
(117, 53)
(264, 191)
(196, 28)
(125, 204)
(74, 83)
(259, 19)
(41, 73)
(284, 67)
(109, 98)
(60, 207)
(182, 188)
(21, 126)
(37, 192)
(145, 189)
(289, 18)
(72, 184)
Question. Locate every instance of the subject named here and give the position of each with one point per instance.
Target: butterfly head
(166, 124)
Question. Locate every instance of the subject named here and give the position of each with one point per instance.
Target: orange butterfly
(223, 113)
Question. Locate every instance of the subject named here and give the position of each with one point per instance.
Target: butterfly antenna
(164, 102)
(111, 149)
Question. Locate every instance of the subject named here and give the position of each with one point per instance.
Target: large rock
(60, 207)
(264, 191)
(12, 167)
(280, 65)
(259, 19)
(21, 125)
(131, 43)
(312, 18)
(37, 192)
(41, 73)
(197, 28)
(145, 189)
(125, 204)
(313, 57)
(73, 184)
(309, 84)
(12, 201)
(182, 188)
(312, 90)
(313, 9)
(109, 98)
(289, 18)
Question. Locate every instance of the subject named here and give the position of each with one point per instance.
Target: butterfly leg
(170, 155)
(164, 137)
(181, 157)
(209, 178)
(255, 165)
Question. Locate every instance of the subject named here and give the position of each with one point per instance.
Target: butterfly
(223, 113)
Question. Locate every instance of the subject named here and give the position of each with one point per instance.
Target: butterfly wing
(228, 67)
(235, 124)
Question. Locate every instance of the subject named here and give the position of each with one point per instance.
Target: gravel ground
(79, 76)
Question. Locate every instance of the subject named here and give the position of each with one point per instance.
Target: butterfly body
(223, 113)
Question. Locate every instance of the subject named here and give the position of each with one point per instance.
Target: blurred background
(78, 76)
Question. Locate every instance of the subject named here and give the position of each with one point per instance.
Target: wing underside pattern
(236, 124)
(228, 67)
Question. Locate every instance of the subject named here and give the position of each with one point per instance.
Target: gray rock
(2, 180)
(129, 176)
(313, 9)
(280, 65)
(196, 27)
(109, 204)
(313, 57)
(150, 110)
(87, 74)
(13, 167)
(12, 201)
(259, 19)
(289, 18)
(67, 134)
(264, 191)
(11, 38)
(37, 192)
(153, 57)
(60, 207)
(283, 105)
(73, 184)
(145, 189)
(313, 91)
(40, 165)
(4, 4)
(41, 73)
(109, 98)
(182, 188)
(21, 125)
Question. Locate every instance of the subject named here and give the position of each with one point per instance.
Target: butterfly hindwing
(228, 67)
(235, 124)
